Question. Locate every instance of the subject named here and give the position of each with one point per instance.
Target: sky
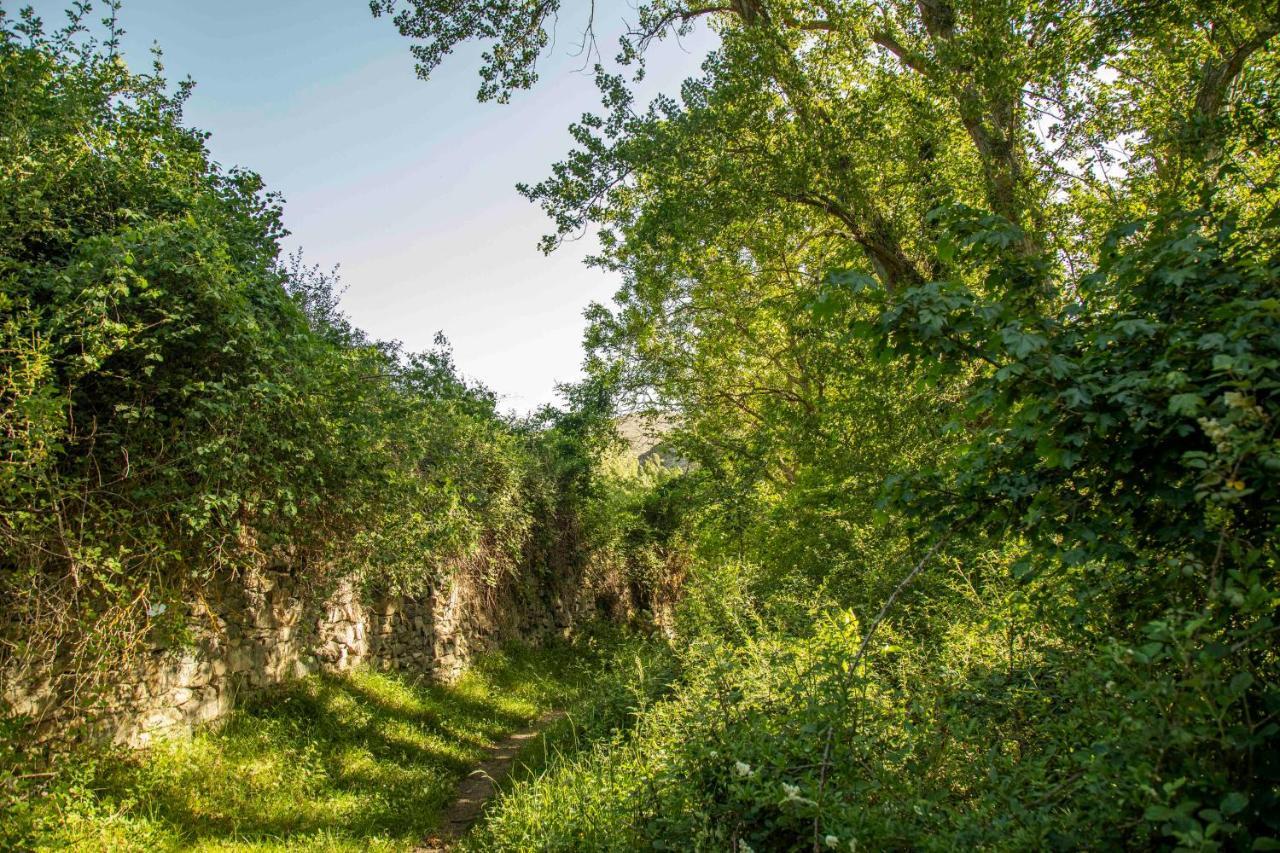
(408, 186)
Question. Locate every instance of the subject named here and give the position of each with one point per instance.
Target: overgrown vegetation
(179, 402)
(363, 760)
(965, 316)
(967, 312)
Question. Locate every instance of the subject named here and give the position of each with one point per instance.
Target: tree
(1002, 271)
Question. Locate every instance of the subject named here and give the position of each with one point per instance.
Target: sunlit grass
(361, 761)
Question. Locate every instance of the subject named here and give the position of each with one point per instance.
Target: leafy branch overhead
(1002, 273)
(946, 347)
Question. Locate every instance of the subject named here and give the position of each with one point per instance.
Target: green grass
(360, 761)
(545, 793)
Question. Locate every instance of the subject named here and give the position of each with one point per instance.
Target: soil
(481, 784)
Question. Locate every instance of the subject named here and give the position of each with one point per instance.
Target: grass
(555, 785)
(359, 761)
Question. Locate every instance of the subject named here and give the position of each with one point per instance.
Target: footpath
(481, 784)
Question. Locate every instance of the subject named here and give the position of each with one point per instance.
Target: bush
(178, 402)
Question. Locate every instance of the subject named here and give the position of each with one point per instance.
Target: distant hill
(645, 434)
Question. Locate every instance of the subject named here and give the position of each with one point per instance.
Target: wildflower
(832, 841)
(742, 768)
(793, 795)
(743, 848)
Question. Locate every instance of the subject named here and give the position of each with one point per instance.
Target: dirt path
(475, 790)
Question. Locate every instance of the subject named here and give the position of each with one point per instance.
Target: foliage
(632, 525)
(966, 313)
(179, 402)
(357, 761)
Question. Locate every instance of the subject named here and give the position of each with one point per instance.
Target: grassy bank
(359, 761)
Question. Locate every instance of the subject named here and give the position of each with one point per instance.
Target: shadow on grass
(344, 758)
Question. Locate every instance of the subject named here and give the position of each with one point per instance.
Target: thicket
(967, 312)
(966, 315)
(180, 403)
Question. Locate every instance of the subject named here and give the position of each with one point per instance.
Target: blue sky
(408, 185)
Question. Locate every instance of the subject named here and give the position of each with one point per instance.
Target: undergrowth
(771, 741)
(364, 760)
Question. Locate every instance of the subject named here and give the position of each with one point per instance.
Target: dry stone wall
(265, 627)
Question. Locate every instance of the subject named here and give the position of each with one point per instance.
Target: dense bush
(967, 314)
(964, 313)
(633, 526)
(180, 402)
(1072, 690)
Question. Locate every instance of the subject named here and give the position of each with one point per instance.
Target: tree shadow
(344, 756)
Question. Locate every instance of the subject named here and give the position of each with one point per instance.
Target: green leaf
(946, 250)
(1240, 683)
(1187, 404)
(1233, 803)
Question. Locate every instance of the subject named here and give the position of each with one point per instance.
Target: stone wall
(265, 627)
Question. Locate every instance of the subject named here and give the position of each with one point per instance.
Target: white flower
(742, 768)
(853, 845)
(832, 841)
(793, 795)
(743, 848)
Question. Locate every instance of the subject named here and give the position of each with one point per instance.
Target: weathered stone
(210, 709)
(264, 627)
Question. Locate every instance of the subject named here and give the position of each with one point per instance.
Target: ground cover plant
(356, 761)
